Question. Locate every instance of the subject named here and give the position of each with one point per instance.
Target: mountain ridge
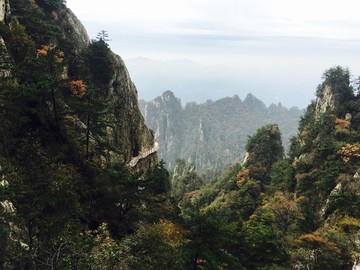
(213, 132)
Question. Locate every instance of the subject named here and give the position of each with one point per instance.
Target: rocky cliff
(213, 134)
(53, 23)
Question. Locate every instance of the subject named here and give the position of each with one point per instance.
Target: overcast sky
(285, 45)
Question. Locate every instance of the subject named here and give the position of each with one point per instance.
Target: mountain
(212, 134)
(294, 212)
(76, 158)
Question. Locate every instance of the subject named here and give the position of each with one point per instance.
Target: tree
(264, 245)
(339, 80)
(264, 148)
(285, 210)
(184, 180)
(153, 246)
(321, 251)
(100, 62)
(90, 106)
(103, 35)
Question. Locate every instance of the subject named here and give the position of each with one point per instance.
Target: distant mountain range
(213, 134)
(193, 81)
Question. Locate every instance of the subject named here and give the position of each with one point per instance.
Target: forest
(69, 199)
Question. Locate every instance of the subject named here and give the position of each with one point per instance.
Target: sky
(275, 49)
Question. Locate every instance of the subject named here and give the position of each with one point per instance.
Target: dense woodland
(64, 205)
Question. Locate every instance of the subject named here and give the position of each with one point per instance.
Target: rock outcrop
(325, 101)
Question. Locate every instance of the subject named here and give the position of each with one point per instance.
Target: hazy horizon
(277, 49)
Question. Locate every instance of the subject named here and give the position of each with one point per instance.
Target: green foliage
(263, 242)
(41, 27)
(282, 176)
(100, 63)
(212, 242)
(50, 5)
(92, 108)
(264, 148)
(152, 246)
(184, 180)
(19, 44)
(339, 80)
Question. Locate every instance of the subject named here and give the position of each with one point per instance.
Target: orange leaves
(44, 50)
(349, 151)
(342, 126)
(51, 51)
(77, 88)
(342, 123)
(315, 241)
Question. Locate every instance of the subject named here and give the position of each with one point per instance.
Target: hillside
(74, 144)
(212, 135)
(298, 212)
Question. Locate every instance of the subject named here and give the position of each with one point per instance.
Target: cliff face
(325, 102)
(212, 135)
(130, 132)
(127, 131)
(75, 31)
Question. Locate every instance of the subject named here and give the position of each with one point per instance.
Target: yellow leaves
(242, 177)
(172, 232)
(349, 151)
(51, 51)
(342, 126)
(77, 88)
(350, 224)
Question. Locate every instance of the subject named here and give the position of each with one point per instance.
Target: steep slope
(213, 134)
(76, 158)
(53, 23)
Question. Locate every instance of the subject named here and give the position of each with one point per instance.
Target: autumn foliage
(77, 88)
(315, 241)
(349, 151)
(50, 50)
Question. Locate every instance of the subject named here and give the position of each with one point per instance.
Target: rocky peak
(334, 93)
(252, 101)
(325, 101)
(168, 99)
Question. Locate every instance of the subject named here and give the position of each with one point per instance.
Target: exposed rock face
(325, 102)
(130, 132)
(164, 117)
(75, 30)
(4, 10)
(212, 134)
